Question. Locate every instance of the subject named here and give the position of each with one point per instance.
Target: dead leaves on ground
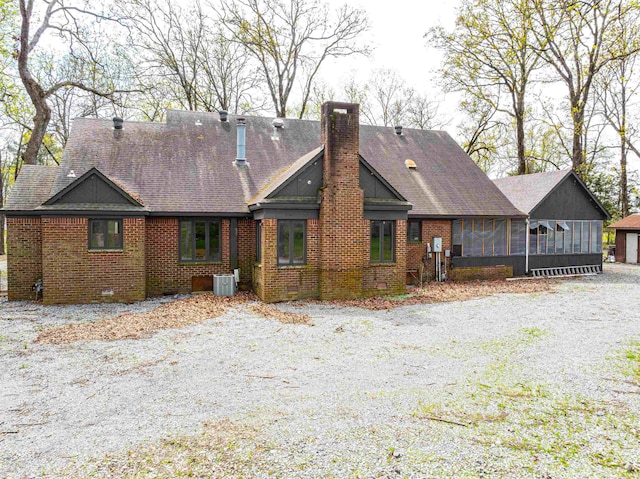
(271, 312)
(176, 314)
(197, 309)
(450, 291)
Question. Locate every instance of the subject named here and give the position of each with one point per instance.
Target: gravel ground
(515, 385)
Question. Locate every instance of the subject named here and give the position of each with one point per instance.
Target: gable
(305, 183)
(373, 186)
(570, 200)
(92, 188)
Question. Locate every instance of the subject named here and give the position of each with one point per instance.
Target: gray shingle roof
(32, 188)
(186, 165)
(527, 191)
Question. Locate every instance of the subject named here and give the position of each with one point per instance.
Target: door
(632, 248)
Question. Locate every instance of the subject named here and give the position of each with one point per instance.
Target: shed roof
(186, 165)
(631, 222)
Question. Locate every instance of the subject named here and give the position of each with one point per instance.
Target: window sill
(197, 263)
(93, 251)
(291, 266)
(383, 264)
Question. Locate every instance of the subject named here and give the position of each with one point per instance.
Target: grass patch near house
(447, 292)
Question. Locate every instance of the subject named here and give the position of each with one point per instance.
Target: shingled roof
(631, 222)
(34, 187)
(527, 191)
(186, 165)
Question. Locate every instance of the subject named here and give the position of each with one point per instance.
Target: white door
(632, 248)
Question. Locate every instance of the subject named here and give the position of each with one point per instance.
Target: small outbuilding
(627, 239)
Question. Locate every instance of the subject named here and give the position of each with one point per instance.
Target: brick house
(302, 209)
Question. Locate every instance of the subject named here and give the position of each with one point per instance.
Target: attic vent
(278, 123)
(71, 174)
(117, 123)
(398, 129)
(198, 123)
(410, 164)
(223, 115)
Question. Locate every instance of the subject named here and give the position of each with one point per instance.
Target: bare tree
(578, 39)
(490, 49)
(291, 41)
(69, 22)
(616, 93)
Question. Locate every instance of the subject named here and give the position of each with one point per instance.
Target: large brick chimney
(342, 228)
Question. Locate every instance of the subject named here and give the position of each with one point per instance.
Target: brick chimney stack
(342, 226)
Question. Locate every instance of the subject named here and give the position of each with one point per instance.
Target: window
(259, 241)
(481, 237)
(291, 242)
(105, 234)
(200, 240)
(518, 237)
(382, 241)
(414, 233)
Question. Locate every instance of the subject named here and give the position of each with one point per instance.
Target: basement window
(200, 240)
(105, 234)
(383, 235)
(292, 239)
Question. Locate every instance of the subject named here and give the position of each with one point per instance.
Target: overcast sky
(397, 35)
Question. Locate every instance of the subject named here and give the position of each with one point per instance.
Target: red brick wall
(342, 240)
(246, 250)
(481, 273)
(386, 278)
(273, 283)
(73, 274)
(165, 273)
(416, 251)
(24, 256)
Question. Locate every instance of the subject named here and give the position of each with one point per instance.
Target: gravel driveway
(515, 385)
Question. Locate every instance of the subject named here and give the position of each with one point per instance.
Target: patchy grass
(176, 314)
(631, 361)
(222, 449)
(543, 430)
(451, 291)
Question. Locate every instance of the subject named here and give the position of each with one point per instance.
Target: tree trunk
(40, 123)
(522, 160)
(577, 153)
(624, 187)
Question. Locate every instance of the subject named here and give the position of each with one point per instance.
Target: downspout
(526, 250)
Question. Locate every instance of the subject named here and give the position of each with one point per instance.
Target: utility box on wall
(437, 245)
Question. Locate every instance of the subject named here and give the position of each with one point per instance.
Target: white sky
(397, 36)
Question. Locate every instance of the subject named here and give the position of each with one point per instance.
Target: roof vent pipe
(117, 123)
(398, 130)
(241, 158)
(223, 115)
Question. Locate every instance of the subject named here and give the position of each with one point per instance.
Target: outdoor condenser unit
(224, 284)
